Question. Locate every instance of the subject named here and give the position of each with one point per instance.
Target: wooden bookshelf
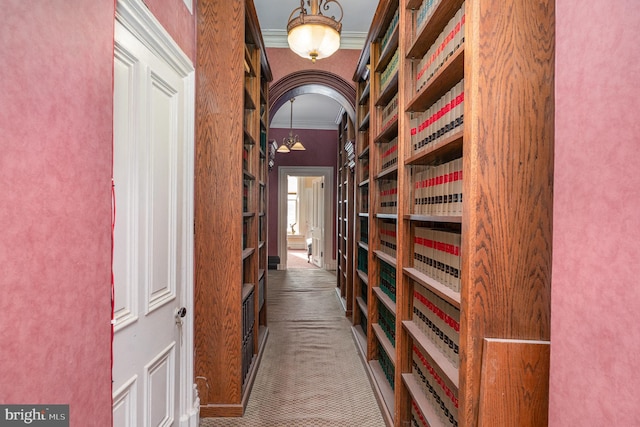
(346, 213)
(231, 205)
(467, 282)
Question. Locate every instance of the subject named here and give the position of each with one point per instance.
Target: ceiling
(311, 111)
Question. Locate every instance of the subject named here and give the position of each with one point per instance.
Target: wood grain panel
(508, 164)
(514, 383)
(218, 204)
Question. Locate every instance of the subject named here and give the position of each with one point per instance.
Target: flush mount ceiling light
(291, 143)
(314, 35)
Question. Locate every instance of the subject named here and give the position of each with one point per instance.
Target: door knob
(179, 314)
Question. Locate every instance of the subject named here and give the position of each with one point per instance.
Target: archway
(315, 82)
(308, 82)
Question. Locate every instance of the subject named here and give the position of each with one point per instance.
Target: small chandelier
(291, 142)
(314, 35)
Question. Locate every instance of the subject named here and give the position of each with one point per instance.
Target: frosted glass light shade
(315, 41)
(283, 149)
(297, 146)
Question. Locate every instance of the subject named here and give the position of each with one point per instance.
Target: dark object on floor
(272, 262)
(309, 241)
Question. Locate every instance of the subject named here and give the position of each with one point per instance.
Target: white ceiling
(312, 111)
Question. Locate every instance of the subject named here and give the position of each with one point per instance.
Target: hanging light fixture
(291, 143)
(314, 35)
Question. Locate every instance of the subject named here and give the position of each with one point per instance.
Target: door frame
(323, 171)
(140, 22)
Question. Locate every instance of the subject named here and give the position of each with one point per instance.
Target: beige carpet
(311, 374)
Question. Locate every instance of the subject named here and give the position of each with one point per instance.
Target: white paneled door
(152, 257)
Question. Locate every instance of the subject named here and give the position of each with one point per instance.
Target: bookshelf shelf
(364, 123)
(384, 341)
(454, 111)
(388, 133)
(419, 397)
(390, 172)
(384, 298)
(387, 53)
(420, 339)
(434, 218)
(387, 216)
(230, 327)
(388, 92)
(449, 74)
(433, 285)
(445, 149)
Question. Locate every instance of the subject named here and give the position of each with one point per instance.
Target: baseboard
(192, 417)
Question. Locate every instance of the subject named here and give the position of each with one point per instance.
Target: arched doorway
(293, 85)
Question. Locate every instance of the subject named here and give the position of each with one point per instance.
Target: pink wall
(284, 61)
(179, 23)
(56, 116)
(321, 150)
(596, 254)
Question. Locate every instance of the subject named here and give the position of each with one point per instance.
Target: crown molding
(348, 39)
(302, 124)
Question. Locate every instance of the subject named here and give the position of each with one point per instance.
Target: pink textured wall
(596, 245)
(283, 62)
(56, 78)
(322, 150)
(178, 21)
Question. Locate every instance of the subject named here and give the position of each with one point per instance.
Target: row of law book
(364, 200)
(248, 319)
(424, 12)
(364, 230)
(388, 197)
(388, 280)
(365, 168)
(388, 242)
(442, 397)
(436, 253)
(390, 154)
(387, 321)
(417, 417)
(439, 321)
(390, 71)
(442, 119)
(447, 43)
(387, 366)
(390, 29)
(437, 190)
(390, 112)
(363, 260)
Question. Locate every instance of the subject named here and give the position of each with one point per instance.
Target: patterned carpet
(311, 374)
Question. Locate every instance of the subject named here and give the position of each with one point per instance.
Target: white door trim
(324, 171)
(136, 17)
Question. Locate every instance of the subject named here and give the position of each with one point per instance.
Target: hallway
(311, 374)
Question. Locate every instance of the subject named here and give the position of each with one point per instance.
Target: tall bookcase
(345, 212)
(233, 75)
(455, 125)
(361, 234)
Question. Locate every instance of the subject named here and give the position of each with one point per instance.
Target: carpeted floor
(298, 259)
(311, 374)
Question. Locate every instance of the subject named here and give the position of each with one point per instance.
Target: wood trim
(339, 89)
(515, 383)
(508, 181)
